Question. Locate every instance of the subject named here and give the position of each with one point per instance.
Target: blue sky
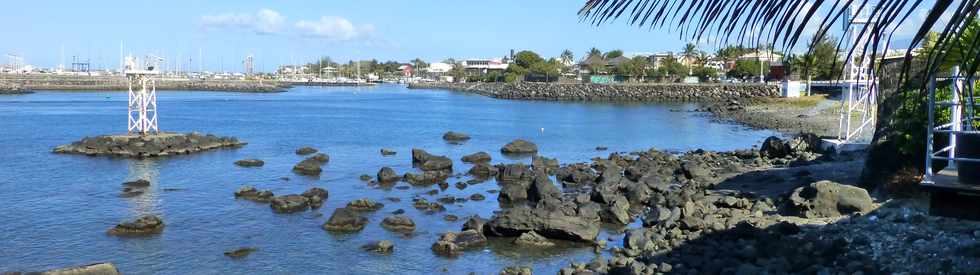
(288, 31)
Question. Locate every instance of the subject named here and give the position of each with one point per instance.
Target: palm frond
(783, 22)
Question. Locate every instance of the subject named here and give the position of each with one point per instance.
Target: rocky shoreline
(156, 145)
(614, 92)
(117, 83)
(11, 89)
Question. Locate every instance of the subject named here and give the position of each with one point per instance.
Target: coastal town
(761, 143)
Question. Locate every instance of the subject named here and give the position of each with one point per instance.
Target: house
(764, 56)
(657, 59)
(406, 70)
(593, 62)
(484, 66)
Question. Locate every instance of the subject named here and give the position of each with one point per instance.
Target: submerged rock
(455, 136)
(316, 196)
(399, 223)
(477, 157)
(829, 199)
(453, 243)
(137, 183)
(519, 146)
(774, 147)
(251, 193)
(517, 270)
(92, 269)
(289, 203)
(388, 152)
(382, 247)
(365, 205)
(241, 252)
(437, 163)
(308, 167)
(306, 151)
(533, 239)
(345, 220)
(144, 225)
(250, 163)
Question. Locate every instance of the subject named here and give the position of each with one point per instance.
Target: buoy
(542, 129)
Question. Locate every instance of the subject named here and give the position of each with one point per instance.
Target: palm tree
(567, 56)
(594, 52)
(690, 54)
(783, 23)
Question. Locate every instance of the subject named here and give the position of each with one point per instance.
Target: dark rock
(365, 205)
(365, 177)
(455, 136)
(399, 223)
(427, 177)
(461, 185)
(382, 247)
(542, 188)
(419, 156)
(398, 212)
(477, 157)
(437, 163)
(482, 170)
(517, 270)
(130, 192)
(477, 197)
(520, 146)
(241, 252)
(308, 167)
(345, 220)
(576, 174)
(250, 193)
(387, 175)
(250, 163)
(137, 183)
(144, 225)
(550, 223)
(453, 243)
(290, 203)
(388, 152)
(306, 151)
(450, 218)
(548, 165)
(315, 196)
(474, 223)
(92, 269)
(443, 186)
(829, 199)
(533, 239)
(774, 147)
(601, 148)
(321, 158)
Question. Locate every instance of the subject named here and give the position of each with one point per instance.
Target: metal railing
(962, 107)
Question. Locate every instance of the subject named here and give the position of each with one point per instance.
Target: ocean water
(56, 208)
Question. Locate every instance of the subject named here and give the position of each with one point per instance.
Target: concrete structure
(142, 104)
(249, 65)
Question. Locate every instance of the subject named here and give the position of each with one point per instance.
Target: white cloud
(334, 28)
(265, 21)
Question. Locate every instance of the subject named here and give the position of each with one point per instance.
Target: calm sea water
(56, 208)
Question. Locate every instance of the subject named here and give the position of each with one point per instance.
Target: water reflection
(148, 202)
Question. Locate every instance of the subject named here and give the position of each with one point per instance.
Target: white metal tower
(860, 91)
(142, 96)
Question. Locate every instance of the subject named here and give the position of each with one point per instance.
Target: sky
(217, 35)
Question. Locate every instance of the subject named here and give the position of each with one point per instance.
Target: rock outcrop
(454, 243)
(144, 225)
(345, 220)
(520, 146)
(455, 136)
(155, 145)
(250, 163)
(604, 92)
(824, 199)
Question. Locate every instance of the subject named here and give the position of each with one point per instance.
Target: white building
(484, 65)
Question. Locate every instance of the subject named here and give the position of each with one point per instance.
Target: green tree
(746, 69)
(820, 62)
(594, 52)
(527, 58)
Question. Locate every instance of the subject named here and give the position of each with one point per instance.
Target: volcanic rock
(289, 203)
(250, 163)
(829, 199)
(477, 157)
(519, 146)
(144, 225)
(345, 220)
(399, 223)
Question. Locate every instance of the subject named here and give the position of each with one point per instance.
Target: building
(764, 56)
(249, 65)
(407, 70)
(484, 66)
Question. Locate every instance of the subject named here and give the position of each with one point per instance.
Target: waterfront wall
(610, 92)
(119, 83)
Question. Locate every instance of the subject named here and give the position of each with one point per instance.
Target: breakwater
(10, 88)
(610, 92)
(119, 83)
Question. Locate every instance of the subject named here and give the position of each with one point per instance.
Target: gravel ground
(814, 114)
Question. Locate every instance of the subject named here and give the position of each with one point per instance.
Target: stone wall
(10, 88)
(614, 92)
